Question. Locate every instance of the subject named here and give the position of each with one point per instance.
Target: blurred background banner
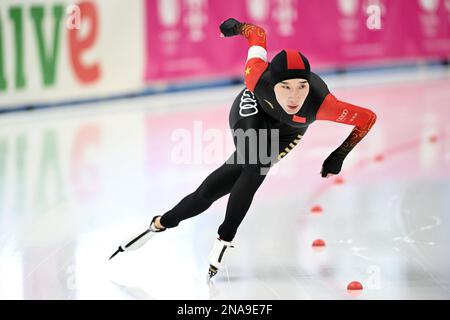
(183, 38)
(52, 51)
(61, 52)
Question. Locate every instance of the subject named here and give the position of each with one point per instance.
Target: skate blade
(212, 271)
(115, 253)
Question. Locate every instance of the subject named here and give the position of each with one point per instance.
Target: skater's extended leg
(215, 186)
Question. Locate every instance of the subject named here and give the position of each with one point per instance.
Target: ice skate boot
(216, 257)
(140, 239)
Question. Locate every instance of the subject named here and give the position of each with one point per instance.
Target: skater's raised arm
(256, 62)
(335, 110)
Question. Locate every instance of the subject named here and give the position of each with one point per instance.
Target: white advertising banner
(55, 50)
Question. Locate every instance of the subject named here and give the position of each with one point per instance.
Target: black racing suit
(262, 137)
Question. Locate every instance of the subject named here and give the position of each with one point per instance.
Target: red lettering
(78, 45)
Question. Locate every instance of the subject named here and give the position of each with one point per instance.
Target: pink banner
(183, 36)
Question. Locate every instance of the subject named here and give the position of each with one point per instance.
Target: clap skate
(140, 239)
(216, 257)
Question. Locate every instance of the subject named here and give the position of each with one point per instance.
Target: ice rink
(76, 181)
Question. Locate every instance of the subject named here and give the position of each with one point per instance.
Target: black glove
(332, 164)
(231, 27)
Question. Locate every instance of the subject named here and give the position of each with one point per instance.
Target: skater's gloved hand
(332, 165)
(230, 27)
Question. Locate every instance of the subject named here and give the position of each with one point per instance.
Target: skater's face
(291, 94)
